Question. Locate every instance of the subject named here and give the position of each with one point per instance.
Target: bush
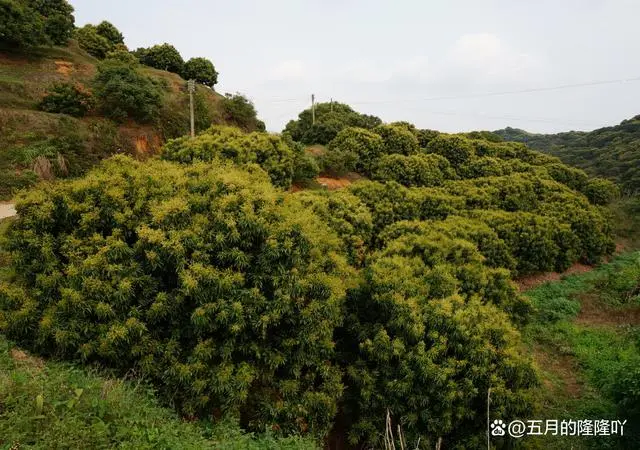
(199, 277)
(239, 111)
(271, 152)
(58, 19)
(66, 98)
(163, 57)
(122, 92)
(426, 136)
(397, 139)
(122, 54)
(413, 170)
(201, 70)
(108, 31)
(484, 167)
(35, 22)
(601, 192)
(428, 355)
(20, 26)
(456, 149)
(353, 149)
(345, 214)
(391, 202)
(93, 43)
(331, 118)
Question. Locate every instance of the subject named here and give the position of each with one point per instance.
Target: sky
(432, 63)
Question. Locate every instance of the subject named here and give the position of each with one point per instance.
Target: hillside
(611, 152)
(27, 133)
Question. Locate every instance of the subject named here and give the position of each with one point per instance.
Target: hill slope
(27, 133)
(611, 152)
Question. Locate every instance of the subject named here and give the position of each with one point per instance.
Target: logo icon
(497, 428)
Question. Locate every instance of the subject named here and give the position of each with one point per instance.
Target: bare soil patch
(593, 312)
(562, 366)
(530, 282)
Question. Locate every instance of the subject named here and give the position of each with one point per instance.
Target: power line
(495, 94)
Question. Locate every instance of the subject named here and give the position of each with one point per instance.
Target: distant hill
(611, 152)
(26, 132)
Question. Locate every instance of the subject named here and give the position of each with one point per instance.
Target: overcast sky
(398, 58)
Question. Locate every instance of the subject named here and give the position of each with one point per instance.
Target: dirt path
(7, 210)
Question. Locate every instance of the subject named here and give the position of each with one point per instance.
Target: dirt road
(7, 210)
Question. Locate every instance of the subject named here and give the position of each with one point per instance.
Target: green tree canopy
(239, 111)
(201, 70)
(122, 92)
(108, 31)
(92, 42)
(27, 23)
(331, 118)
(163, 57)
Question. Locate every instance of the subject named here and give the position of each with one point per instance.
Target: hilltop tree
(20, 26)
(331, 118)
(58, 19)
(201, 70)
(108, 31)
(92, 42)
(163, 57)
(238, 110)
(28, 23)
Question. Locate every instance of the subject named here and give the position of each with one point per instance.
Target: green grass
(581, 360)
(53, 405)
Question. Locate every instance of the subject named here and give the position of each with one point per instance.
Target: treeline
(611, 152)
(313, 312)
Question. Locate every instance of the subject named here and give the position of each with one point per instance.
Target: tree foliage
(331, 118)
(92, 42)
(108, 31)
(163, 57)
(201, 70)
(122, 92)
(610, 152)
(239, 111)
(269, 151)
(67, 98)
(28, 23)
(198, 275)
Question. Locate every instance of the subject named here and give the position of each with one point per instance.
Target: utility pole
(313, 109)
(192, 88)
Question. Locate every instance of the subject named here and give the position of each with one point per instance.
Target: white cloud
(485, 57)
(288, 70)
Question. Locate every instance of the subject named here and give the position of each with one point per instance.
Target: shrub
(271, 152)
(576, 179)
(20, 26)
(601, 192)
(484, 167)
(456, 149)
(239, 111)
(397, 139)
(391, 202)
(414, 347)
(331, 118)
(124, 93)
(198, 276)
(58, 19)
(345, 214)
(537, 243)
(163, 57)
(413, 170)
(305, 168)
(426, 136)
(66, 98)
(122, 54)
(359, 148)
(201, 70)
(108, 31)
(93, 43)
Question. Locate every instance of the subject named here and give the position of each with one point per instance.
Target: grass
(53, 405)
(583, 336)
